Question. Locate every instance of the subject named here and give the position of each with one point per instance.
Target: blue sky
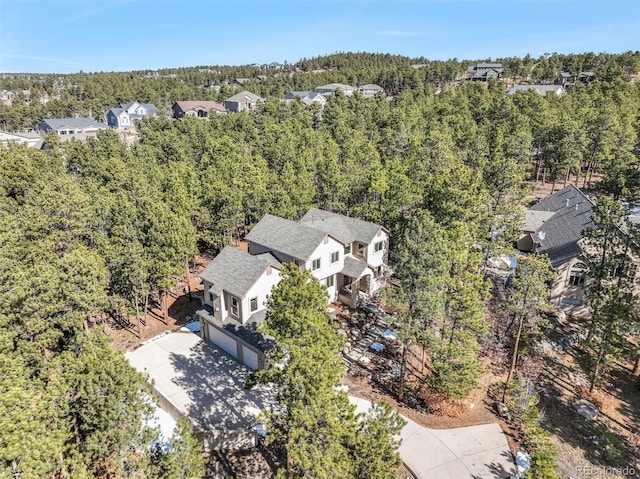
(65, 36)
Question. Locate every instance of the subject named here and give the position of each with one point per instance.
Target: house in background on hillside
(68, 128)
(331, 88)
(125, 115)
(346, 255)
(243, 101)
(370, 90)
(484, 71)
(197, 109)
(542, 90)
(307, 97)
(32, 139)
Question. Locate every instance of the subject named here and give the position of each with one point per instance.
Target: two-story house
(243, 101)
(236, 286)
(346, 255)
(126, 114)
(484, 71)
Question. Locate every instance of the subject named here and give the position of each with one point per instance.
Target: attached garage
(249, 358)
(224, 342)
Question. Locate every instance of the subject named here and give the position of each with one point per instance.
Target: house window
(315, 264)
(330, 281)
(360, 249)
(347, 249)
(379, 246)
(335, 257)
(235, 307)
(254, 304)
(577, 275)
(212, 296)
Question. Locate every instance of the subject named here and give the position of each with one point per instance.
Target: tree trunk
(188, 279)
(596, 369)
(566, 177)
(146, 306)
(403, 367)
(513, 360)
(165, 311)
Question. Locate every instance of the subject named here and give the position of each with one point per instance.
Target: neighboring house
(32, 140)
(370, 90)
(68, 128)
(586, 77)
(332, 87)
(240, 82)
(484, 71)
(307, 97)
(554, 226)
(565, 79)
(542, 90)
(126, 114)
(243, 101)
(197, 109)
(346, 255)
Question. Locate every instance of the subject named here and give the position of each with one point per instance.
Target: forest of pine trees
(88, 225)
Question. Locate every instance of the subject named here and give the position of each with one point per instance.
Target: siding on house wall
(562, 293)
(261, 289)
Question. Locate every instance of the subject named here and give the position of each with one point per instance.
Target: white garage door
(249, 358)
(224, 342)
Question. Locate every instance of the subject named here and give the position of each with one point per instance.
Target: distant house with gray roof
(484, 71)
(69, 128)
(330, 88)
(542, 90)
(346, 255)
(370, 90)
(243, 101)
(125, 115)
(307, 97)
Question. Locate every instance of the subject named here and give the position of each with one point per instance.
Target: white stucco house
(346, 255)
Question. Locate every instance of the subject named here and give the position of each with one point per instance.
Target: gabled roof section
(288, 237)
(540, 89)
(78, 123)
(236, 272)
(203, 105)
(559, 235)
(343, 228)
(244, 97)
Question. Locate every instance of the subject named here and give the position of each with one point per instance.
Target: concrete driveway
(474, 452)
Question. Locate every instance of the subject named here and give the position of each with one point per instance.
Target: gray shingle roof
(353, 267)
(572, 215)
(540, 89)
(244, 96)
(343, 228)
(284, 236)
(236, 271)
(78, 123)
(248, 332)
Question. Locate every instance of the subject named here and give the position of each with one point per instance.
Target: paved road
(474, 452)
